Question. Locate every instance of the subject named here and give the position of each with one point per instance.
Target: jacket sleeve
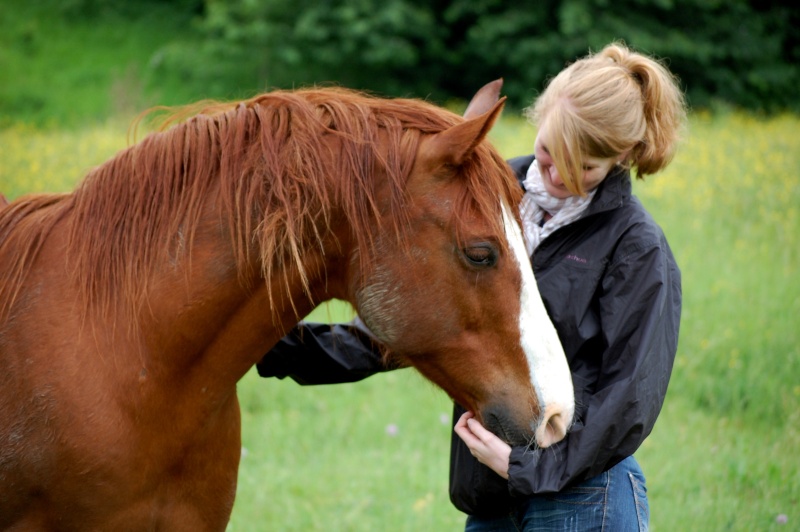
(639, 309)
(320, 353)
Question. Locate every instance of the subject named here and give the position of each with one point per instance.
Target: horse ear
(484, 99)
(453, 145)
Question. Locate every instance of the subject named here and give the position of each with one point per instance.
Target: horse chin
(498, 421)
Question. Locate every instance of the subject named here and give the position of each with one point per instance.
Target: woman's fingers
(485, 446)
(478, 430)
(465, 432)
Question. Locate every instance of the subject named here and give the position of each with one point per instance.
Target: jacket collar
(613, 192)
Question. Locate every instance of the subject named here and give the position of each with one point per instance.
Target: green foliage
(301, 42)
(72, 60)
(740, 53)
(77, 62)
(98, 9)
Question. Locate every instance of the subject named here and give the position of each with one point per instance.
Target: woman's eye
(481, 255)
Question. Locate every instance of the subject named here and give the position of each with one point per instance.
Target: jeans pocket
(640, 500)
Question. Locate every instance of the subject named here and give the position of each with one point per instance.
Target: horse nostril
(553, 427)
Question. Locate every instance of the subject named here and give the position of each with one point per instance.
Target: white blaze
(550, 373)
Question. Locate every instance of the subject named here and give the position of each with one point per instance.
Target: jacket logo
(577, 259)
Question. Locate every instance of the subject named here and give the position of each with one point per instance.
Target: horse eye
(482, 255)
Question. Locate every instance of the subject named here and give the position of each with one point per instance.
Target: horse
(131, 306)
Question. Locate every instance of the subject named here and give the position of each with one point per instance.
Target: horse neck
(215, 318)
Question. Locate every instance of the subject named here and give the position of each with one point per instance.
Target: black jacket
(612, 288)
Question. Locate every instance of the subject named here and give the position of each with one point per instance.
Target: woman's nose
(554, 177)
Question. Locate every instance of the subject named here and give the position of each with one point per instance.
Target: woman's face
(594, 169)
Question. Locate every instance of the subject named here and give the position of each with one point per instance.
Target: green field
(373, 456)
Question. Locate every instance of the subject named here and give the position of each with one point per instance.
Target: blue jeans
(614, 501)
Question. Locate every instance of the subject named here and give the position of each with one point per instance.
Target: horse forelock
(490, 184)
(276, 164)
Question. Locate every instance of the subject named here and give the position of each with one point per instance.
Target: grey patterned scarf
(536, 201)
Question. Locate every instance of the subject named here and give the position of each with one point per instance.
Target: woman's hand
(485, 446)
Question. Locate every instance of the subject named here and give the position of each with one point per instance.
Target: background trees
(67, 60)
(741, 52)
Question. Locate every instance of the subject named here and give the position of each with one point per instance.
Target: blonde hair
(607, 104)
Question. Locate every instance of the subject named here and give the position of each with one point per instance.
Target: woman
(611, 287)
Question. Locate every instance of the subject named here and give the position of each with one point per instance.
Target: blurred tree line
(744, 53)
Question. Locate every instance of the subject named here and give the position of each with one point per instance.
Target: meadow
(373, 455)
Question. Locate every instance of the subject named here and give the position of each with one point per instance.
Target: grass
(367, 456)
(374, 455)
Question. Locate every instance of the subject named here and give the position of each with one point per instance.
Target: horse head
(458, 300)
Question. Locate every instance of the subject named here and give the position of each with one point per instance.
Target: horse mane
(24, 227)
(275, 162)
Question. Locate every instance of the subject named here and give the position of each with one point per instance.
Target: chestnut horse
(130, 308)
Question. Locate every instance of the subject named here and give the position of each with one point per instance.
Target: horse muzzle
(550, 428)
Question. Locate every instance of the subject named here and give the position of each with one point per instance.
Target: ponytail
(663, 108)
(611, 103)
